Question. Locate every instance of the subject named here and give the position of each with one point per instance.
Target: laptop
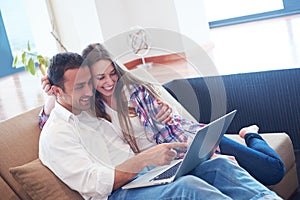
(204, 144)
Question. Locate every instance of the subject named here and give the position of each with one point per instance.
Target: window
(17, 24)
(5, 51)
(22, 21)
(15, 32)
(228, 12)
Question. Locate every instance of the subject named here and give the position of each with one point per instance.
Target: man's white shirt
(82, 151)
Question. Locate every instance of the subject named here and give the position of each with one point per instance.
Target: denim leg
(232, 180)
(258, 158)
(186, 188)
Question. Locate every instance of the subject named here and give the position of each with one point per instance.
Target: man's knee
(224, 163)
(192, 187)
(188, 181)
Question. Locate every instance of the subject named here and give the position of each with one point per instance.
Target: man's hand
(162, 154)
(158, 155)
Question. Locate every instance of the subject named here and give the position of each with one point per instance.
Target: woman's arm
(49, 104)
(164, 114)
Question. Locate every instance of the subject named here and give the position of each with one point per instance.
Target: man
(89, 156)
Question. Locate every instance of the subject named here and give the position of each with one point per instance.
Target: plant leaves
(41, 59)
(31, 67)
(15, 61)
(44, 64)
(29, 60)
(47, 63)
(24, 54)
(28, 46)
(43, 69)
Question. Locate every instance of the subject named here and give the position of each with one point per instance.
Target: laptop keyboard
(168, 173)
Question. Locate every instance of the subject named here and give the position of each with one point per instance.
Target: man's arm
(158, 155)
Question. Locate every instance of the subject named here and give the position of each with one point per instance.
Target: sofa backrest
(19, 138)
(270, 99)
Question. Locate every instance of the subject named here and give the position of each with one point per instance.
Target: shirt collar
(63, 112)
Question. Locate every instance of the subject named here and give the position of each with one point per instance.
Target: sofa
(269, 99)
(24, 177)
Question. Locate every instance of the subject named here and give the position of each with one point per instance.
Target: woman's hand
(50, 102)
(46, 86)
(165, 113)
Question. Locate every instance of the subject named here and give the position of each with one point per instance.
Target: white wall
(81, 22)
(192, 20)
(41, 27)
(119, 16)
(76, 22)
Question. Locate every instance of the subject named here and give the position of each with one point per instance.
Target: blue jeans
(219, 178)
(258, 158)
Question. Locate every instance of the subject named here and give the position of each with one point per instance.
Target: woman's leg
(232, 180)
(258, 158)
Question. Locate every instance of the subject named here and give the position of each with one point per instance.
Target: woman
(135, 107)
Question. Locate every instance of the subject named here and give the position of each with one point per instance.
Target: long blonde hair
(92, 54)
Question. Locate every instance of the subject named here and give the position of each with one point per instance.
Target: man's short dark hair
(60, 63)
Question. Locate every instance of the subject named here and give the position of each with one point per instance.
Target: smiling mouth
(108, 88)
(85, 100)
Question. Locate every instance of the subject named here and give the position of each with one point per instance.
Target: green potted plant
(31, 60)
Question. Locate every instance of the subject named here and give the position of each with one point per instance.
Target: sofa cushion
(19, 138)
(40, 183)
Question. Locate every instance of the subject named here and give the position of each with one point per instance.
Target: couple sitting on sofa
(142, 123)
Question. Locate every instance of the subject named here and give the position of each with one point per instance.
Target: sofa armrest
(6, 192)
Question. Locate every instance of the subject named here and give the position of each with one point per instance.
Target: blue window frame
(290, 7)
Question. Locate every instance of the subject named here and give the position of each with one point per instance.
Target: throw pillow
(40, 183)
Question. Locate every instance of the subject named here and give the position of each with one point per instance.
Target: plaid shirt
(146, 107)
(42, 118)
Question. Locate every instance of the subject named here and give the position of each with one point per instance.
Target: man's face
(78, 90)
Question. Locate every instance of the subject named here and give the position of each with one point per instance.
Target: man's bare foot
(249, 129)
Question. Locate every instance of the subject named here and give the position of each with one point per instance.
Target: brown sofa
(24, 177)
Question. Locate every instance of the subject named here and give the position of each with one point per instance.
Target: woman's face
(104, 78)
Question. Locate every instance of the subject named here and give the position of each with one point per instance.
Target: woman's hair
(92, 54)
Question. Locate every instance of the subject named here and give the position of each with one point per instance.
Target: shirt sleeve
(147, 107)
(43, 117)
